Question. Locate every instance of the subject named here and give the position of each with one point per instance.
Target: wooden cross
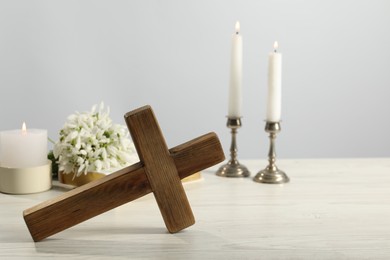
(159, 171)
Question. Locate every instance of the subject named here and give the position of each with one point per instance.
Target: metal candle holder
(233, 168)
(271, 174)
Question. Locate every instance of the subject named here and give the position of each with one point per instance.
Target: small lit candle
(274, 105)
(235, 98)
(23, 148)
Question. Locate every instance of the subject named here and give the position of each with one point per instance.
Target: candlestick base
(25, 180)
(233, 170)
(271, 176)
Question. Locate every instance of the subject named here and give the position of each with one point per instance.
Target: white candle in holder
(235, 98)
(23, 148)
(274, 105)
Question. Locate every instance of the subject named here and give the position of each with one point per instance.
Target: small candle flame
(237, 27)
(276, 45)
(24, 128)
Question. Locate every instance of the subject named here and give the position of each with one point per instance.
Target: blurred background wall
(57, 57)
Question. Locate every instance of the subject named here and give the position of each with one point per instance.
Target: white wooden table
(331, 209)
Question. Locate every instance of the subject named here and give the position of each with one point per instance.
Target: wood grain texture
(128, 184)
(160, 169)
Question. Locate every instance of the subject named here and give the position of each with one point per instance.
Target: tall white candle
(274, 105)
(23, 148)
(235, 98)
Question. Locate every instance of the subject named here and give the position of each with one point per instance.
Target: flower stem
(51, 140)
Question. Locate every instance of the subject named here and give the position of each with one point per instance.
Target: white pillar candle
(235, 98)
(274, 105)
(23, 148)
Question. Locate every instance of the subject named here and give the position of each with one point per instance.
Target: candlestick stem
(271, 153)
(233, 168)
(271, 174)
(233, 146)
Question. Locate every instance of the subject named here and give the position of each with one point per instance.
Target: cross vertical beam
(160, 169)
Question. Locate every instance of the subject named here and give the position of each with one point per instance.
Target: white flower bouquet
(90, 142)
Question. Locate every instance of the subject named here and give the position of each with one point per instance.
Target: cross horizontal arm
(128, 184)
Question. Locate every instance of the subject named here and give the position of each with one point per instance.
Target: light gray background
(57, 57)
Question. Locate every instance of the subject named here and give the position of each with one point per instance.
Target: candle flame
(24, 128)
(276, 45)
(237, 27)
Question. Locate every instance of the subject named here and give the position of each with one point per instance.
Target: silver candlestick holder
(233, 168)
(271, 174)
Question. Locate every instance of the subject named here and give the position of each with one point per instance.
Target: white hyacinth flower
(89, 141)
